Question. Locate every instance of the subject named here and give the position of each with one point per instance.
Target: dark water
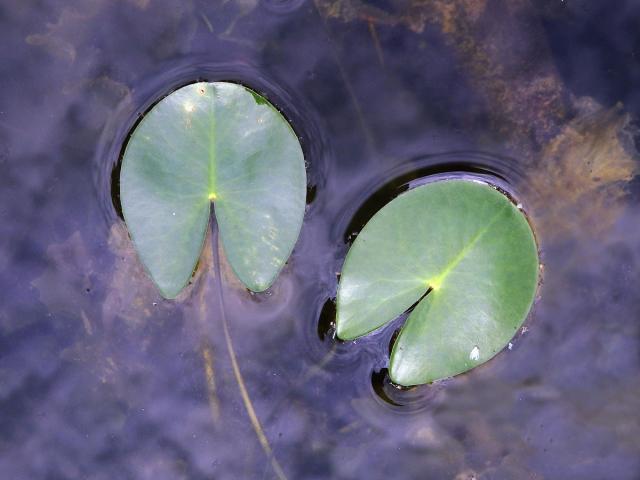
(102, 379)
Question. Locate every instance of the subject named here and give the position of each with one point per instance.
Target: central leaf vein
(436, 282)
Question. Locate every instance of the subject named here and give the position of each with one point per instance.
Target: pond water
(100, 378)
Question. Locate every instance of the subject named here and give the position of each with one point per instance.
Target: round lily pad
(469, 249)
(219, 143)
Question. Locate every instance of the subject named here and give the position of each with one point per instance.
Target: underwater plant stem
(207, 352)
(376, 42)
(364, 126)
(246, 399)
(207, 359)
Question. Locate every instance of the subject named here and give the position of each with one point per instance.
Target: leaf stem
(246, 399)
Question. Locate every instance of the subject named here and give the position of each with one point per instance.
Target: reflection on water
(101, 378)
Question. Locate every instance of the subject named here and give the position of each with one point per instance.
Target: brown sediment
(130, 292)
(581, 154)
(526, 103)
(580, 181)
(58, 37)
(526, 100)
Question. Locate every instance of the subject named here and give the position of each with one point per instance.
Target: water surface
(101, 378)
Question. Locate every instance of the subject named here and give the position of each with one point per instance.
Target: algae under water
(101, 378)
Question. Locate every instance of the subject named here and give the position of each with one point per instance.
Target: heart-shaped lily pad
(470, 248)
(222, 143)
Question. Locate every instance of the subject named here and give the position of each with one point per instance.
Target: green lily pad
(222, 143)
(465, 244)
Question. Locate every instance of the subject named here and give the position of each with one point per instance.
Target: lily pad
(222, 143)
(469, 249)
